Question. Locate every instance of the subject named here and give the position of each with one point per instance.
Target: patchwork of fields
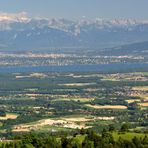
(68, 101)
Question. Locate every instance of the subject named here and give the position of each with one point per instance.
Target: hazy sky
(77, 8)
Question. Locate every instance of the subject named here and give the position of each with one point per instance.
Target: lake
(126, 67)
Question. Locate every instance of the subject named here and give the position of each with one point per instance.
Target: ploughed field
(50, 102)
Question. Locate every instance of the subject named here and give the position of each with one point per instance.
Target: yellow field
(75, 99)
(91, 89)
(37, 75)
(131, 101)
(85, 76)
(20, 77)
(109, 79)
(35, 95)
(143, 104)
(77, 84)
(107, 106)
(9, 116)
(141, 88)
(145, 97)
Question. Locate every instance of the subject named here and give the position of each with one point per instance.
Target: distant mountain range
(19, 32)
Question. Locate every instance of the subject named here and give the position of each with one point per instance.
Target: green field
(128, 135)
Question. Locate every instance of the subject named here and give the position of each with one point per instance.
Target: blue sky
(75, 9)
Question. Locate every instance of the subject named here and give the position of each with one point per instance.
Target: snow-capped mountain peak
(14, 17)
(21, 31)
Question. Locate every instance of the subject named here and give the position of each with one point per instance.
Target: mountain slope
(134, 49)
(23, 33)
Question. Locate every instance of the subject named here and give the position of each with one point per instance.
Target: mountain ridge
(20, 32)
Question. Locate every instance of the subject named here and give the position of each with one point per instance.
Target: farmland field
(127, 136)
(53, 102)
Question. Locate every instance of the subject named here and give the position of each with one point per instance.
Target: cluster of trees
(106, 140)
(81, 139)
(92, 140)
(2, 113)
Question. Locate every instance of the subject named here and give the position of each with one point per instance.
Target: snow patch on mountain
(14, 17)
(21, 21)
